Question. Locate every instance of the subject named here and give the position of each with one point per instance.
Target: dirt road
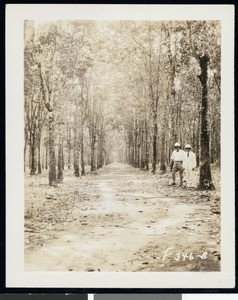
(120, 219)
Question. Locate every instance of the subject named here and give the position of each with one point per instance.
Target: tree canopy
(120, 90)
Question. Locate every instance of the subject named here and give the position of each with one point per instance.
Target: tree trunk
(76, 153)
(135, 145)
(69, 147)
(99, 152)
(131, 156)
(47, 98)
(155, 131)
(173, 102)
(194, 141)
(142, 146)
(138, 149)
(52, 166)
(62, 157)
(154, 156)
(131, 148)
(76, 163)
(205, 179)
(146, 147)
(42, 160)
(101, 157)
(218, 150)
(39, 159)
(163, 155)
(29, 158)
(60, 166)
(46, 157)
(92, 163)
(212, 147)
(25, 147)
(33, 167)
(82, 155)
(198, 147)
(93, 142)
(69, 158)
(135, 149)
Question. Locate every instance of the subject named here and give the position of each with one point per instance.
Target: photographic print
(105, 105)
(122, 146)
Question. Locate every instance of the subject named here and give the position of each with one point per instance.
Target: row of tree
(174, 87)
(63, 110)
(99, 91)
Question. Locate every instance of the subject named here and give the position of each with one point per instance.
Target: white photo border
(15, 274)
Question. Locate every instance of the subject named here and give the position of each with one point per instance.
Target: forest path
(120, 219)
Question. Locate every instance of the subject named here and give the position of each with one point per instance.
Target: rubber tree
(201, 50)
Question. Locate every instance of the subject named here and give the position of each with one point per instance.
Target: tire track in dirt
(128, 227)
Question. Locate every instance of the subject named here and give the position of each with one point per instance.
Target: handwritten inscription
(170, 253)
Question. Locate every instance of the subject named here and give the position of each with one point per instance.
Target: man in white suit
(176, 162)
(189, 165)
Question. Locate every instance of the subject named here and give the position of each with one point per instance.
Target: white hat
(177, 145)
(188, 146)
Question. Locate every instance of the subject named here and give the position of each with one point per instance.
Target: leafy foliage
(136, 81)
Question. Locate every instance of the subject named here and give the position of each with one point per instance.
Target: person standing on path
(189, 165)
(176, 163)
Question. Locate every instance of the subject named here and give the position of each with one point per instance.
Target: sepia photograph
(122, 145)
(122, 140)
